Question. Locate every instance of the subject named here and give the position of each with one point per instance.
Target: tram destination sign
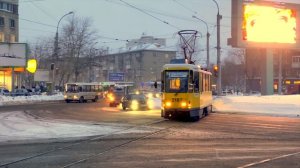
(116, 77)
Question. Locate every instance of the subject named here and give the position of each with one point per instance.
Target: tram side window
(206, 82)
(201, 83)
(190, 82)
(196, 82)
(162, 81)
(209, 83)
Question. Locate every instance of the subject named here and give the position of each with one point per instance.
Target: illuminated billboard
(265, 24)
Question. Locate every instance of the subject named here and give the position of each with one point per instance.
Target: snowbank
(16, 126)
(281, 105)
(8, 100)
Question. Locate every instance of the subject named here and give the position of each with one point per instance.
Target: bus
(82, 92)
(186, 91)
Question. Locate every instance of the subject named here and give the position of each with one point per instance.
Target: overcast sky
(116, 20)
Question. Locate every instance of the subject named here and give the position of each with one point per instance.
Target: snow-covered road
(16, 126)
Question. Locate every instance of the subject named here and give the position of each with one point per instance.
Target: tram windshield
(176, 81)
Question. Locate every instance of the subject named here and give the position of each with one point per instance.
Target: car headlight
(150, 104)
(75, 97)
(134, 105)
(157, 95)
(111, 98)
(149, 95)
(65, 96)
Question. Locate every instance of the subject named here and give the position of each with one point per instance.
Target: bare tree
(234, 70)
(77, 38)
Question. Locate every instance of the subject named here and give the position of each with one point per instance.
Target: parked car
(21, 92)
(134, 102)
(4, 91)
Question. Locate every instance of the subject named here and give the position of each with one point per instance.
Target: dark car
(134, 102)
(21, 92)
(4, 92)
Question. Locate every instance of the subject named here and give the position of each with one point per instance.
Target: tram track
(78, 142)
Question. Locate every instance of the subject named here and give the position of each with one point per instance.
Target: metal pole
(219, 82)
(280, 73)
(207, 51)
(207, 42)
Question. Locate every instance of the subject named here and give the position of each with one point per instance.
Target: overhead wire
(42, 10)
(141, 10)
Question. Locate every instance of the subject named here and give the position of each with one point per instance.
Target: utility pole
(219, 80)
(280, 73)
(207, 42)
(55, 52)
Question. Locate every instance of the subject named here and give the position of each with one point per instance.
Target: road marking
(268, 160)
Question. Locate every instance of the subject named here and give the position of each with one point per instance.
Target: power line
(30, 1)
(185, 7)
(46, 13)
(163, 21)
(36, 22)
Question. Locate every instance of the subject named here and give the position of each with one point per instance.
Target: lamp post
(207, 41)
(219, 80)
(55, 53)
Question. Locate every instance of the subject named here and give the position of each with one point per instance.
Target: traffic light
(216, 69)
(155, 85)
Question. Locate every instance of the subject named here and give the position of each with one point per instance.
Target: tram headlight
(168, 104)
(134, 105)
(183, 104)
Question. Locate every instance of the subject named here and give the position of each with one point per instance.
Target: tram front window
(176, 82)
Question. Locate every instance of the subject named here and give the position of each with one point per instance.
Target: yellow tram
(186, 91)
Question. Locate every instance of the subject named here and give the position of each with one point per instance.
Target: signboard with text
(116, 77)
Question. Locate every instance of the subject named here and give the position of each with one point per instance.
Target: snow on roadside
(9, 100)
(280, 105)
(18, 126)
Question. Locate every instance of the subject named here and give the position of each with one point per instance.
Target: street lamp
(219, 82)
(55, 53)
(56, 35)
(207, 41)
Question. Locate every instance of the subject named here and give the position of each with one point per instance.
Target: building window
(1, 21)
(1, 37)
(15, 9)
(9, 7)
(296, 59)
(12, 23)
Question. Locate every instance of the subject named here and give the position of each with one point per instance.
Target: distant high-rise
(9, 21)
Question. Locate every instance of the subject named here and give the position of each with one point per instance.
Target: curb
(33, 103)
